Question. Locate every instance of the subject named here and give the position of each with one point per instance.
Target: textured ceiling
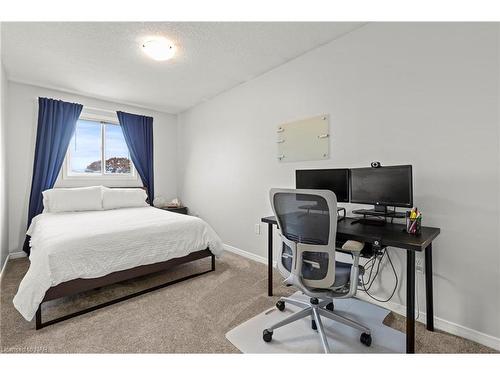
(104, 60)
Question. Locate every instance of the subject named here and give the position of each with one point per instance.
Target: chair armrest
(353, 246)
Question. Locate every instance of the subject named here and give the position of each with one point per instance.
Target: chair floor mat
(299, 337)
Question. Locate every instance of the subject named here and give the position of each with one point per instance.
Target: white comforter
(70, 245)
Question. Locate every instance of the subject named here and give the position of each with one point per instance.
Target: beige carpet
(189, 317)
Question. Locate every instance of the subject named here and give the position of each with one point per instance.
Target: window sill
(109, 182)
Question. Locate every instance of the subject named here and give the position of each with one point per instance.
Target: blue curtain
(56, 125)
(138, 133)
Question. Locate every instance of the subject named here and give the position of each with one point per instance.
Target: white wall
(424, 94)
(22, 114)
(4, 231)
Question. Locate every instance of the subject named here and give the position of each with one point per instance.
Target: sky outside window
(117, 155)
(85, 146)
(86, 149)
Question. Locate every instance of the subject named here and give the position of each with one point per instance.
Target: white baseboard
(247, 254)
(4, 264)
(17, 254)
(441, 324)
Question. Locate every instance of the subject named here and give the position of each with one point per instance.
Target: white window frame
(69, 175)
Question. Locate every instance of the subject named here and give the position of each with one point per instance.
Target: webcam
(375, 164)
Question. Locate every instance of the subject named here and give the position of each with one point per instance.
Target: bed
(73, 252)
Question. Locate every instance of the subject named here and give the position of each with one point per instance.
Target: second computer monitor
(336, 180)
(383, 186)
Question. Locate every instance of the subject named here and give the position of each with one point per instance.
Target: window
(98, 149)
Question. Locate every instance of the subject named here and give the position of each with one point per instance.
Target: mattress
(71, 245)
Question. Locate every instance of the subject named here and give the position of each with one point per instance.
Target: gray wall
(424, 94)
(22, 112)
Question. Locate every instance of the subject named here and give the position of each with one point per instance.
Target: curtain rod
(99, 109)
(88, 107)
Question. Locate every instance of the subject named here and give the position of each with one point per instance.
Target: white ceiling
(104, 60)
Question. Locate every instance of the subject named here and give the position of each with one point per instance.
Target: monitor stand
(364, 221)
(382, 212)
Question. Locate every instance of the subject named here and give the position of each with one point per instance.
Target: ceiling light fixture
(159, 49)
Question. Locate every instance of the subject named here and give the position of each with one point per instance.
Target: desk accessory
(414, 221)
(339, 215)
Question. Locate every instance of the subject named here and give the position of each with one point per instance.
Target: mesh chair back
(307, 222)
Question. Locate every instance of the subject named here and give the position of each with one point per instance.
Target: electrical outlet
(257, 228)
(419, 264)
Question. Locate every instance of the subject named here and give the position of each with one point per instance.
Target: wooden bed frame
(76, 286)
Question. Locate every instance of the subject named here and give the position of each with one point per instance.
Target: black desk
(387, 235)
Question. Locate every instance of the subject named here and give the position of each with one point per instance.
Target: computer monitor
(382, 186)
(336, 180)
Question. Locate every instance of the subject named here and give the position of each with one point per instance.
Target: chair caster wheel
(280, 305)
(267, 336)
(329, 306)
(313, 325)
(366, 339)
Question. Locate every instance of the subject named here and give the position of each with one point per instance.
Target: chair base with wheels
(307, 260)
(317, 310)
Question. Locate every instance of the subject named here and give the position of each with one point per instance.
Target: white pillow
(72, 199)
(122, 198)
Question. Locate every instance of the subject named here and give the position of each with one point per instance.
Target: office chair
(307, 260)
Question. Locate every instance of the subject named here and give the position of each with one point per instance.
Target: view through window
(98, 149)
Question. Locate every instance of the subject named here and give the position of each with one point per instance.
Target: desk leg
(428, 288)
(410, 301)
(269, 259)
